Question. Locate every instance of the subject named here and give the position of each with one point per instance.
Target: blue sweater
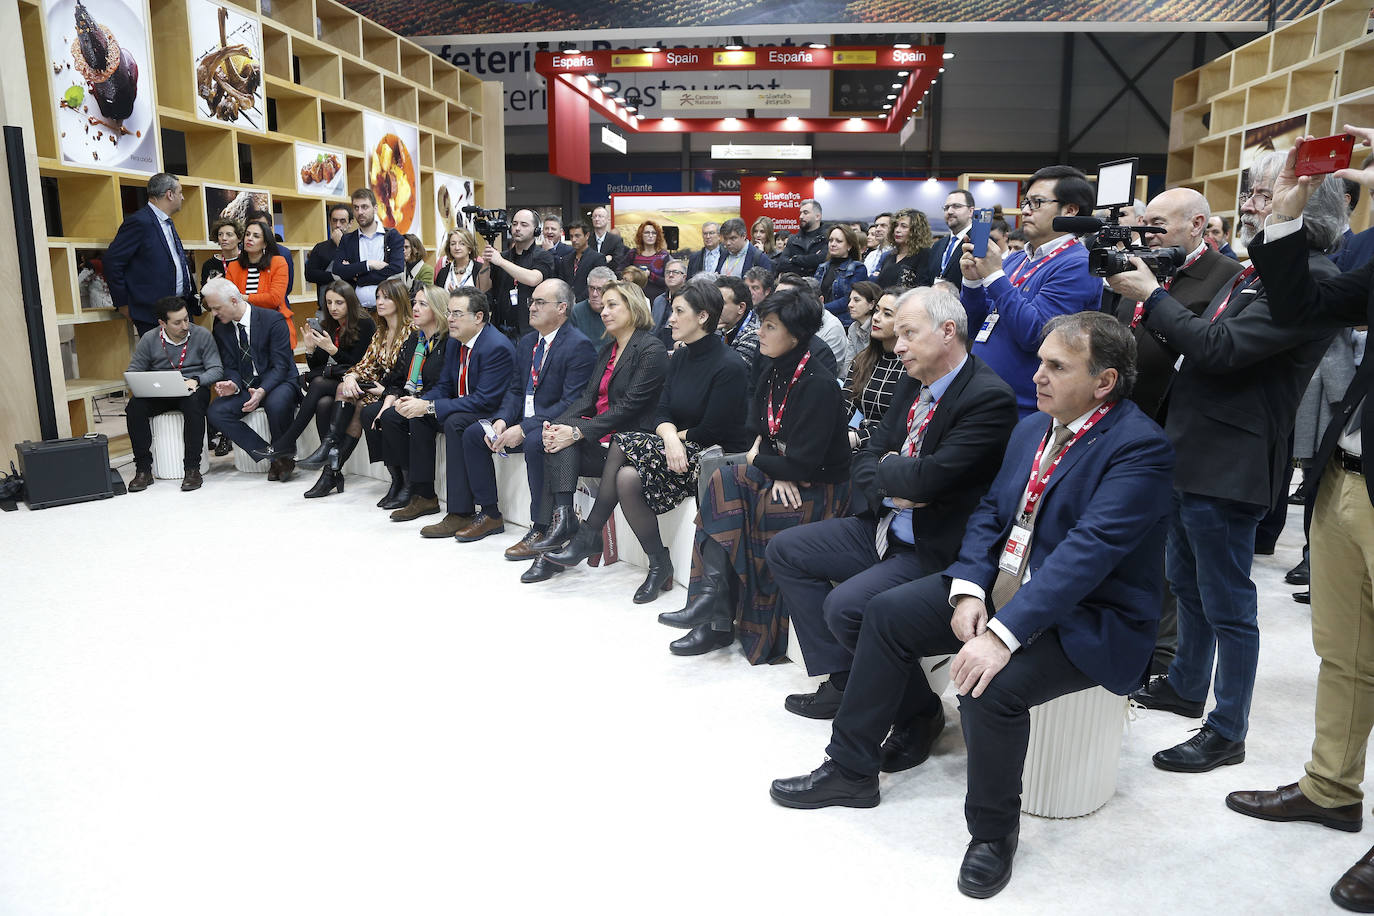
(1060, 287)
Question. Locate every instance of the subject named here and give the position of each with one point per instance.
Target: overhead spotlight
(942, 69)
(567, 47)
(791, 119)
(631, 109)
(891, 96)
(932, 180)
(855, 122)
(904, 73)
(593, 78)
(878, 178)
(669, 121)
(735, 43)
(731, 122)
(902, 46)
(887, 107)
(651, 49)
(772, 177)
(949, 55)
(896, 85)
(620, 100)
(817, 45)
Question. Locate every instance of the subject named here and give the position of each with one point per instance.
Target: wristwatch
(429, 408)
(577, 434)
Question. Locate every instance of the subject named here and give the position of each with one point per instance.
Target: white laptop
(167, 383)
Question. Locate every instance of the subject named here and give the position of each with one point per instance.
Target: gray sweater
(202, 356)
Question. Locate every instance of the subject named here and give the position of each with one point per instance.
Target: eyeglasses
(956, 206)
(1035, 203)
(676, 271)
(1264, 198)
(540, 303)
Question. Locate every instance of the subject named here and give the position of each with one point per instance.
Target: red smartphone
(1325, 155)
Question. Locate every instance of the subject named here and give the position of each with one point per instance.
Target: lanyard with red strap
(1017, 279)
(1238, 283)
(1139, 313)
(775, 423)
(162, 339)
(535, 370)
(1037, 485)
(911, 418)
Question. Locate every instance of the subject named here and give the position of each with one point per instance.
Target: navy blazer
(567, 366)
(699, 261)
(1098, 546)
(1356, 249)
(356, 272)
(952, 273)
(269, 342)
(140, 269)
(752, 258)
(489, 372)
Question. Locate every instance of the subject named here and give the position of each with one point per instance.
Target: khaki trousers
(1342, 558)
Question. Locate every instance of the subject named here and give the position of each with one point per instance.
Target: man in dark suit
(1341, 497)
(1085, 487)
(1230, 417)
(478, 362)
(806, 249)
(608, 244)
(1356, 247)
(553, 363)
(945, 254)
(739, 256)
(551, 238)
(259, 371)
(321, 257)
(369, 254)
(1219, 235)
(921, 475)
(145, 261)
(579, 261)
(708, 256)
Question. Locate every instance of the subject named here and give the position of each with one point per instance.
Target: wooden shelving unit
(1319, 67)
(323, 65)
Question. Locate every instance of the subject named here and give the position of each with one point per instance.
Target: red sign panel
(779, 199)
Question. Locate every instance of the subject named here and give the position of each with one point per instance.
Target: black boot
(399, 494)
(705, 637)
(329, 480)
(561, 530)
(714, 598)
(586, 543)
(659, 579)
(338, 422)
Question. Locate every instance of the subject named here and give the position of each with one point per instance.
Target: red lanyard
(1037, 485)
(535, 370)
(1017, 279)
(1140, 306)
(1236, 284)
(911, 418)
(162, 339)
(775, 423)
(463, 371)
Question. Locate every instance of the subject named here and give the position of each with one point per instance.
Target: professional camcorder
(1108, 242)
(490, 224)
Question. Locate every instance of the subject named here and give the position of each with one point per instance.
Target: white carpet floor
(237, 701)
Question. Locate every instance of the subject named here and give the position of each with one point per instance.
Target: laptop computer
(167, 383)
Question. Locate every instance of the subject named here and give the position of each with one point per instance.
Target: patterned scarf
(417, 362)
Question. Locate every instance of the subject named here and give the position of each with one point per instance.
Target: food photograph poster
(320, 171)
(240, 204)
(393, 173)
(451, 194)
(102, 83)
(226, 51)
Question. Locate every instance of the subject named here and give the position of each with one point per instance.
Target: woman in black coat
(622, 395)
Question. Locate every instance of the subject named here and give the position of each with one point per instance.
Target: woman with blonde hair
(908, 263)
(418, 272)
(462, 266)
(762, 234)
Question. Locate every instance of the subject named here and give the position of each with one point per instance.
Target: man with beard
(522, 267)
(945, 254)
(369, 254)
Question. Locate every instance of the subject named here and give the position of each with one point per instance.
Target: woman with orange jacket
(261, 274)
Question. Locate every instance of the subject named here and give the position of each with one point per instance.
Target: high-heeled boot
(714, 597)
(331, 475)
(339, 419)
(659, 579)
(399, 494)
(585, 543)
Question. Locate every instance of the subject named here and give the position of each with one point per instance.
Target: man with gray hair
(586, 315)
(921, 475)
(1235, 394)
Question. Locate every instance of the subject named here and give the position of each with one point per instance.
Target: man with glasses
(946, 253)
(1010, 302)
(708, 258)
(1236, 387)
(586, 314)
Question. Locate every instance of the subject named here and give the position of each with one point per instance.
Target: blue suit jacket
(752, 258)
(1060, 287)
(140, 269)
(700, 261)
(1098, 545)
(567, 366)
(356, 272)
(1356, 248)
(489, 373)
(269, 341)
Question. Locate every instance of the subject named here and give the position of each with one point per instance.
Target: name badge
(985, 331)
(529, 406)
(514, 296)
(1014, 553)
(782, 448)
(1178, 363)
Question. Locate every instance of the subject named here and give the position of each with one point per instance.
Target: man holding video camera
(519, 269)
(1235, 395)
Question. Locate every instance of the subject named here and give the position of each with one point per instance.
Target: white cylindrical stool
(257, 422)
(936, 668)
(1075, 746)
(169, 451)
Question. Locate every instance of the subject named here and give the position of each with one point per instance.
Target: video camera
(1108, 242)
(490, 224)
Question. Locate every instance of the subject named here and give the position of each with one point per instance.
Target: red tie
(463, 354)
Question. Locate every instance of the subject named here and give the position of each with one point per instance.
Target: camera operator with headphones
(518, 270)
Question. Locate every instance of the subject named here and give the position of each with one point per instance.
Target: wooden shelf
(381, 47)
(1294, 44)
(1250, 62)
(340, 27)
(362, 85)
(297, 14)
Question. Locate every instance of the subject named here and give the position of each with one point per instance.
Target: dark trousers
(479, 469)
(1166, 641)
(456, 426)
(561, 470)
(227, 414)
(1271, 526)
(826, 618)
(367, 416)
(143, 327)
(410, 443)
(140, 411)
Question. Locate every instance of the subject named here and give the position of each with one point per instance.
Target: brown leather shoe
(286, 469)
(191, 481)
(142, 481)
(1287, 803)
(451, 525)
(520, 550)
(1355, 890)
(418, 506)
(482, 525)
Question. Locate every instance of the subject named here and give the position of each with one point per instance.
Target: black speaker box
(59, 472)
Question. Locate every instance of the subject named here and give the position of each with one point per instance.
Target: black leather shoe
(222, 445)
(1298, 496)
(658, 580)
(1205, 751)
(826, 786)
(704, 637)
(540, 570)
(1302, 597)
(987, 866)
(822, 703)
(1299, 575)
(1287, 803)
(561, 529)
(143, 479)
(268, 454)
(1159, 694)
(586, 543)
(1355, 890)
(910, 745)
